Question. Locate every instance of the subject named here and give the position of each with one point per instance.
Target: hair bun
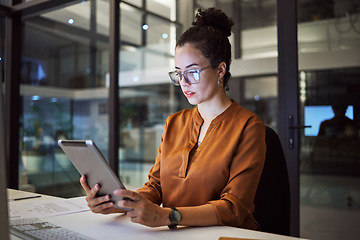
(214, 18)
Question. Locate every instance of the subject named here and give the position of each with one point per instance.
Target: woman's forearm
(203, 215)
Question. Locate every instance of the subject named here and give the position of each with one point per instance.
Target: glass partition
(64, 95)
(131, 23)
(329, 153)
(329, 109)
(147, 95)
(143, 112)
(261, 97)
(138, 3)
(328, 25)
(64, 88)
(255, 31)
(164, 8)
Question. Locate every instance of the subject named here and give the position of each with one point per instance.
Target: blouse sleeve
(235, 207)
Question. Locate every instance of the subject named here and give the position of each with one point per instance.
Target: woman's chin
(192, 102)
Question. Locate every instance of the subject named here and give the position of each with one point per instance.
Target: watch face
(175, 216)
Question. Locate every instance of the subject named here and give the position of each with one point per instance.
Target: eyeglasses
(191, 76)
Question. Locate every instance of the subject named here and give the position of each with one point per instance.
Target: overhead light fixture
(35, 98)
(136, 78)
(145, 27)
(71, 21)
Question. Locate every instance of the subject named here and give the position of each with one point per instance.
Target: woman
(211, 157)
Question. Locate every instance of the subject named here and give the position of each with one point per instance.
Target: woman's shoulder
(241, 112)
(243, 118)
(182, 114)
(178, 121)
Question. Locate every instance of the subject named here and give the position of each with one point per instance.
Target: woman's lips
(189, 94)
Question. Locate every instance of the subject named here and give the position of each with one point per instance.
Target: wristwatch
(175, 218)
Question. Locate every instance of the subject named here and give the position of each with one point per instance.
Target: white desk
(120, 227)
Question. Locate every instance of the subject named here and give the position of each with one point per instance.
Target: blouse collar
(199, 120)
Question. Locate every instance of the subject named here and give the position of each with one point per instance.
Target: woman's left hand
(144, 211)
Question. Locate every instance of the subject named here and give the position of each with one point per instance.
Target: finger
(84, 184)
(136, 219)
(128, 204)
(134, 216)
(93, 202)
(91, 195)
(94, 191)
(91, 192)
(104, 208)
(128, 194)
(138, 197)
(131, 214)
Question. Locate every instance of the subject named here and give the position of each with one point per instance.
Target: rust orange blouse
(223, 171)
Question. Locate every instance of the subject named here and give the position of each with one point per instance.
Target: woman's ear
(222, 69)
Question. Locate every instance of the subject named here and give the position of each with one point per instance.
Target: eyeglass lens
(190, 77)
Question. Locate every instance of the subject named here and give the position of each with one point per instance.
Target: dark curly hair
(209, 34)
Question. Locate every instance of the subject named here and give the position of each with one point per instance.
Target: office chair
(272, 198)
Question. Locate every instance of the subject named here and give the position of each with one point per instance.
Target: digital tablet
(89, 161)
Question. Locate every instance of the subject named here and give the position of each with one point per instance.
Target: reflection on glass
(44, 166)
(257, 32)
(74, 16)
(328, 25)
(164, 8)
(261, 97)
(143, 112)
(150, 49)
(63, 74)
(138, 3)
(60, 54)
(147, 96)
(102, 17)
(160, 35)
(315, 115)
(130, 25)
(330, 153)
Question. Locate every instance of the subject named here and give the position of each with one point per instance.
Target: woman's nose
(183, 80)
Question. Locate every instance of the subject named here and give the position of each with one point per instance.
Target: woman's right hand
(98, 204)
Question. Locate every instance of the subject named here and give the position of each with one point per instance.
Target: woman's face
(188, 57)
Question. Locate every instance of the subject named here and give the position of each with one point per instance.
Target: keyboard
(38, 229)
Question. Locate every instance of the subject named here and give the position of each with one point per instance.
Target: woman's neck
(211, 109)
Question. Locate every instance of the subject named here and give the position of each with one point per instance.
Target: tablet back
(89, 161)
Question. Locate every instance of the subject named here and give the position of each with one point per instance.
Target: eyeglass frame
(182, 76)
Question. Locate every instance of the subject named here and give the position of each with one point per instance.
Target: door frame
(288, 95)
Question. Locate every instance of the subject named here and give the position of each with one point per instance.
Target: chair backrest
(272, 199)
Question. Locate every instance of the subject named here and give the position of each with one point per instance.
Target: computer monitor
(4, 220)
(314, 115)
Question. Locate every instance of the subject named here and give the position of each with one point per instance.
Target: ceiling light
(35, 98)
(136, 78)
